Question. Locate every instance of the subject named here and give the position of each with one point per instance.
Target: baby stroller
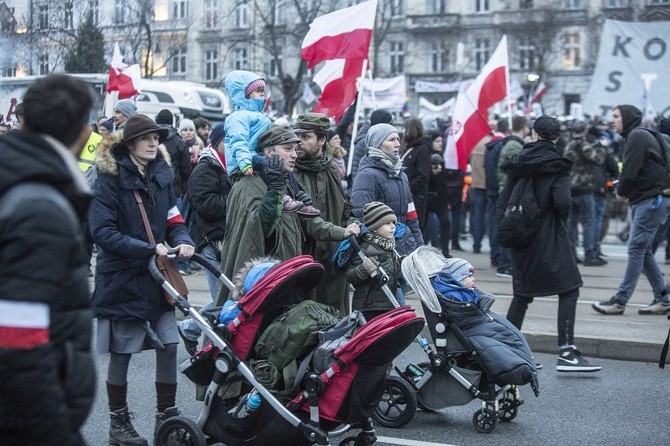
(461, 369)
(320, 405)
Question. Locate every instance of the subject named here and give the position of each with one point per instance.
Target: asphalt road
(624, 404)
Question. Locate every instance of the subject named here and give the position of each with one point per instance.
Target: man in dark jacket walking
(547, 265)
(645, 182)
(48, 375)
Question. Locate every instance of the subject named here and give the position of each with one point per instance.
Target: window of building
(68, 15)
(482, 6)
(240, 58)
(120, 12)
(397, 57)
(439, 57)
(397, 7)
(280, 13)
(481, 53)
(526, 53)
(658, 2)
(526, 4)
(180, 9)
(211, 13)
(616, 3)
(276, 63)
(43, 63)
(179, 60)
(211, 65)
(439, 6)
(43, 16)
(571, 4)
(572, 51)
(94, 10)
(242, 15)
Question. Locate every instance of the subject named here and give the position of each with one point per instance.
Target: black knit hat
(138, 125)
(165, 116)
(381, 116)
(376, 214)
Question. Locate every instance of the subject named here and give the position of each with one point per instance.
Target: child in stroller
(479, 353)
(320, 406)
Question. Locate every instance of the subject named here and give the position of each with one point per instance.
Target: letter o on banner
(655, 42)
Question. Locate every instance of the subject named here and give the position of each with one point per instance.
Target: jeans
(663, 234)
(492, 202)
(567, 312)
(479, 218)
(601, 205)
(189, 327)
(646, 217)
(431, 233)
(582, 210)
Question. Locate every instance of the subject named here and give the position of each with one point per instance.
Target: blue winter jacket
(246, 124)
(376, 183)
(124, 287)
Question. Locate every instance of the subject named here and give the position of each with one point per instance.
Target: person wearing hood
(381, 178)
(243, 129)
(645, 182)
(208, 191)
(48, 374)
(547, 266)
(133, 315)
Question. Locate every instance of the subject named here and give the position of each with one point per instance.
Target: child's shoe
(291, 205)
(309, 211)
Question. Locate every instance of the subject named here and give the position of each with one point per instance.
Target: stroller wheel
(509, 408)
(397, 405)
(180, 431)
(349, 441)
(484, 420)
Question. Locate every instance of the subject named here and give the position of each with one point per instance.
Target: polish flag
(23, 325)
(469, 122)
(540, 91)
(337, 80)
(342, 34)
(174, 216)
(123, 78)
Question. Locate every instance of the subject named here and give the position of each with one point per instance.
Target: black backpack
(664, 143)
(521, 220)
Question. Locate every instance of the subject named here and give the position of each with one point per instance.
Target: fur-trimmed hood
(107, 156)
(241, 275)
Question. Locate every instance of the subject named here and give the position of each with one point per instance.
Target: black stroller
(323, 404)
(458, 372)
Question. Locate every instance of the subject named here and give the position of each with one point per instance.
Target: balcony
(623, 14)
(656, 13)
(433, 22)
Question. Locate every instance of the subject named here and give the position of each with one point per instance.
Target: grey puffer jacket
(503, 352)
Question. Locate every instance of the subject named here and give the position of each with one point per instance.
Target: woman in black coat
(131, 310)
(547, 266)
(416, 151)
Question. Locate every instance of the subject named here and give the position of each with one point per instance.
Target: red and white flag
(23, 324)
(342, 34)
(123, 78)
(469, 122)
(337, 80)
(540, 91)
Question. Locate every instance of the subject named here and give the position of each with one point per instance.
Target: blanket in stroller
(502, 350)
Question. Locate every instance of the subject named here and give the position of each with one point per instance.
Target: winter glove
(274, 172)
(302, 196)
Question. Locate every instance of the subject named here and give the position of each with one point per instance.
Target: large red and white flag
(540, 91)
(469, 122)
(123, 78)
(342, 34)
(337, 80)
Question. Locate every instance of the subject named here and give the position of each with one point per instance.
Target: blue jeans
(646, 218)
(492, 202)
(582, 210)
(601, 205)
(189, 327)
(479, 218)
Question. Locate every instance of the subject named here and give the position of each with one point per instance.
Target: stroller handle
(378, 274)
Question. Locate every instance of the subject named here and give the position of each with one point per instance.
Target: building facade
(555, 41)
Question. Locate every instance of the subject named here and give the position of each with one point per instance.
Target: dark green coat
(321, 180)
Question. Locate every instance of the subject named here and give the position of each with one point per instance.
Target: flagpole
(509, 89)
(372, 89)
(350, 161)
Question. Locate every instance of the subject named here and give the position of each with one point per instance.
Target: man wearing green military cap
(256, 225)
(320, 178)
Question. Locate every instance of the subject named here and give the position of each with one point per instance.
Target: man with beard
(320, 178)
(255, 223)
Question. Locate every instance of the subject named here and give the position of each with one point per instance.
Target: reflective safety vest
(87, 155)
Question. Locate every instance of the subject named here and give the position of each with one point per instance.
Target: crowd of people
(246, 189)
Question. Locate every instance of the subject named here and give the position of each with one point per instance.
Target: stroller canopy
(418, 268)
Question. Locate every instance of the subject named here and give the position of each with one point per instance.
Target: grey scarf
(392, 163)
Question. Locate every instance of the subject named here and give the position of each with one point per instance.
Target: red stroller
(323, 405)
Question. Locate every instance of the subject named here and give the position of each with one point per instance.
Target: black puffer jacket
(208, 189)
(48, 383)
(547, 266)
